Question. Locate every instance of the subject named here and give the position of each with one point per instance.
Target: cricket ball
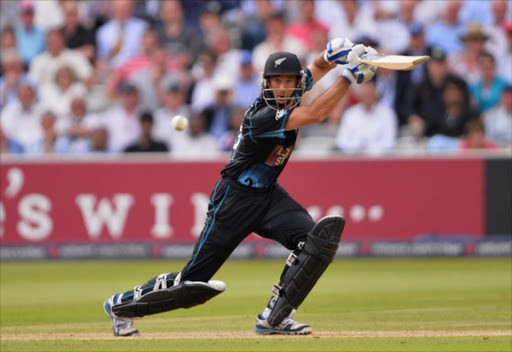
(179, 122)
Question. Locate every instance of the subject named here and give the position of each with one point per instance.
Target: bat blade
(394, 62)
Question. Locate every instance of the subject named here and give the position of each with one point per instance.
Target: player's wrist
(326, 58)
(323, 61)
(348, 75)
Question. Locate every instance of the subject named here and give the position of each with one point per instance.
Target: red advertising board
(162, 200)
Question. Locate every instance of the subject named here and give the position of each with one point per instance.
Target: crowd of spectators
(101, 76)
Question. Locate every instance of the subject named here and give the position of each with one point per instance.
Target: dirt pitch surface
(249, 335)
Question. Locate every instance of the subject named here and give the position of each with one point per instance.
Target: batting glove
(358, 71)
(337, 51)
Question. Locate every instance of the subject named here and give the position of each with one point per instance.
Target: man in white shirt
(174, 104)
(44, 66)
(76, 127)
(369, 126)
(119, 38)
(276, 40)
(122, 121)
(20, 122)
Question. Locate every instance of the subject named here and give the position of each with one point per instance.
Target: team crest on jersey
(280, 113)
(279, 61)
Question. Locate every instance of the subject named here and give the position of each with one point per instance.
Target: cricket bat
(394, 62)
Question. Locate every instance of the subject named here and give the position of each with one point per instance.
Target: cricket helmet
(282, 63)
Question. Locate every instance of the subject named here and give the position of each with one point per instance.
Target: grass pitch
(457, 304)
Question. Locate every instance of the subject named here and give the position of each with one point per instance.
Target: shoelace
(287, 321)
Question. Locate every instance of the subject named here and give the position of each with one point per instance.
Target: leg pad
(184, 295)
(304, 270)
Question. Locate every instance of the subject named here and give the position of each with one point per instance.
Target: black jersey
(263, 147)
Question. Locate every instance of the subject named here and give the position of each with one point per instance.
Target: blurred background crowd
(101, 76)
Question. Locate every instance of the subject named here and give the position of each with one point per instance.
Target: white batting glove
(358, 71)
(337, 51)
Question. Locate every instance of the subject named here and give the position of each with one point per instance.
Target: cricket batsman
(248, 198)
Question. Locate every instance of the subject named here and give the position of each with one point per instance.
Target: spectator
(56, 96)
(30, 39)
(487, 91)
(248, 83)
(121, 120)
(217, 115)
(276, 40)
(406, 80)
(497, 43)
(149, 45)
(153, 81)
(227, 141)
(9, 11)
(195, 141)
(383, 10)
(8, 39)
(456, 110)
(193, 9)
(465, 62)
(427, 12)
(146, 143)
(210, 17)
(174, 104)
(147, 10)
(48, 143)
(474, 136)
(253, 27)
(75, 128)
(76, 35)
(386, 87)
(99, 140)
(505, 60)
(48, 14)
(369, 126)
(4, 143)
(358, 21)
(20, 122)
(97, 13)
(303, 29)
(203, 72)
(498, 120)
(176, 35)
(476, 11)
(331, 12)
(393, 34)
(43, 67)
(428, 104)
(12, 76)
(119, 39)
(228, 58)
(445, 33)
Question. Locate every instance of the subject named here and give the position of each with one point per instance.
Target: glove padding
(337, 51)
(358, 71)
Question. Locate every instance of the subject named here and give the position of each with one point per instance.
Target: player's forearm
(326, 102)
(319, 67)
(320, 108)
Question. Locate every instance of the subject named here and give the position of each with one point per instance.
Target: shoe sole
(271, 331)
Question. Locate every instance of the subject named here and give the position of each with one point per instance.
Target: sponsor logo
(280, 113)
(278, 156)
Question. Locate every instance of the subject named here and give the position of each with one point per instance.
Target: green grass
(356, 295)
